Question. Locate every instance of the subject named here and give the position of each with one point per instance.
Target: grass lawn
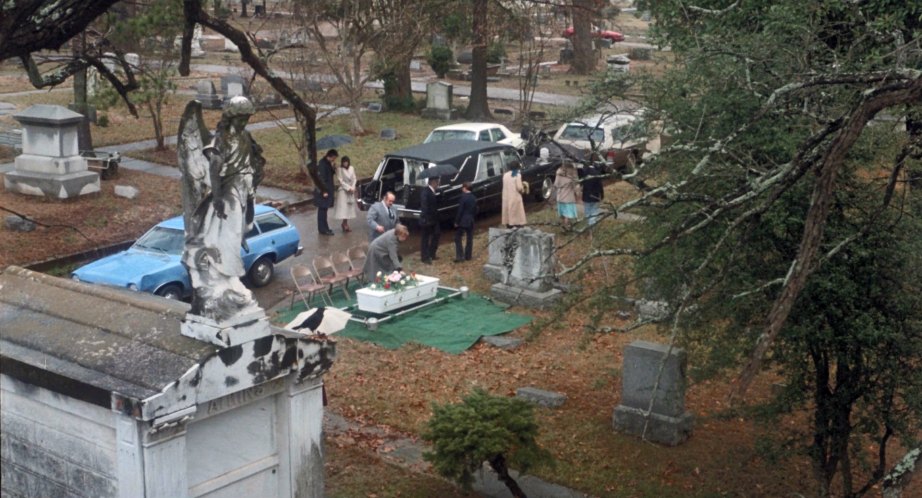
(125, 128)
(365, 151)
(283, 164)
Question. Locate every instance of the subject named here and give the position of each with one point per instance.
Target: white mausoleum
(101, 396)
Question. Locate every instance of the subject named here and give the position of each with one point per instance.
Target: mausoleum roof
(111, 340)
(124, 350)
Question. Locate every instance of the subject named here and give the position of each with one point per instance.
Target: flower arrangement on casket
(395, 281)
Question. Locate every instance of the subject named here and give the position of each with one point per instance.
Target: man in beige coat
(513, 188)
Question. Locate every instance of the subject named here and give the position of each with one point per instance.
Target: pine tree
(484, 428)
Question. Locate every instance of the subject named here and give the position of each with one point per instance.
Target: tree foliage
(484, 428)
(780, 215)
(440, 59)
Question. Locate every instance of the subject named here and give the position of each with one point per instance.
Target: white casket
(382, 301)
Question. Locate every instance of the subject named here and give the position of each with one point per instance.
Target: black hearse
(481, 163)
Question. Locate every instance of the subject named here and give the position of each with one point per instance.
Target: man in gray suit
(381, 216)
(382, 253)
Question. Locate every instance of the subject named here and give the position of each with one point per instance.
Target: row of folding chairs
(326, 273)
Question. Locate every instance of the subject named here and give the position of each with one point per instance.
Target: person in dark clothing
(323, 197)
(429, 222)
(593, 191)
(464, 223)
(383, 253)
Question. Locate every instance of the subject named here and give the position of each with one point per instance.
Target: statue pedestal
(55, 186)
(228, 333)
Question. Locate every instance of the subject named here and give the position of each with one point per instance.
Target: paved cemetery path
(419, 86)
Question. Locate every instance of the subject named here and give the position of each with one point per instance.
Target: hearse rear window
(411, 173)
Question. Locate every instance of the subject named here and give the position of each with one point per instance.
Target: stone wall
(53, 445)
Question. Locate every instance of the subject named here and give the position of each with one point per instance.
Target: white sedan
(484, 132)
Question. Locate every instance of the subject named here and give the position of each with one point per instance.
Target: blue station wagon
(153, 263)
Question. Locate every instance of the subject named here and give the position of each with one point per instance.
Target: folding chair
(357, 256)
(306, 282)
(326, 272)
(343, 266)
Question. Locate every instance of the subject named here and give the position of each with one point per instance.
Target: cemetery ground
(575, 350)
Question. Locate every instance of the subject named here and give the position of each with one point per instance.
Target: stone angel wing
(192, 140)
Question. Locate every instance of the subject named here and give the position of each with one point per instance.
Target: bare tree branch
(888, 95)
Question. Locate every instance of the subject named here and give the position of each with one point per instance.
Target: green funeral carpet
(453, 325)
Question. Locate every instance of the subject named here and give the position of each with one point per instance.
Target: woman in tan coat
(344, 202)
(513, 188)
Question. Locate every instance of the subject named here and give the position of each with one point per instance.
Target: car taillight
(611, 155)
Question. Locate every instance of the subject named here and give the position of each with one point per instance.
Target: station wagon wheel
(170, 291)
(544, 193)
(261, 272)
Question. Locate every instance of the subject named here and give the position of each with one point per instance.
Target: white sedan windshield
(440, 135)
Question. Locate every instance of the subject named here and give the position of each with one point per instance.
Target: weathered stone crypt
(102, 396)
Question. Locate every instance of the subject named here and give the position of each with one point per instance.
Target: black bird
(312, 322)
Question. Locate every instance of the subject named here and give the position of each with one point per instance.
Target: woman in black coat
(464, 223)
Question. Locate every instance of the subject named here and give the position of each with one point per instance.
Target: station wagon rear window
(270, 222)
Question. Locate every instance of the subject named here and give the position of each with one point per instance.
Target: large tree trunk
(498, 464)
(398, 87)
(583, 56)
(478, 108)
(403, 87)
(81, 105)
(356, 89)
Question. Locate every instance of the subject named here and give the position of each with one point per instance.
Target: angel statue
(219, 179)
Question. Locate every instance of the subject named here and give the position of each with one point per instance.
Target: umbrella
(319, 321)
(330, 141)
(443, 169)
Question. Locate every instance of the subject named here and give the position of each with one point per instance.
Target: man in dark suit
(464, 223)
(429, 222)
(323, 193)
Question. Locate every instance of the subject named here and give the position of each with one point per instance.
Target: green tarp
(452, 326)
